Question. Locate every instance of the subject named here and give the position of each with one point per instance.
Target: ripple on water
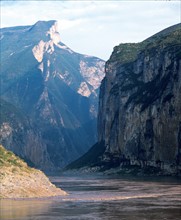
(101, 198)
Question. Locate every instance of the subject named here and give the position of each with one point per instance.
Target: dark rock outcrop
(140, 102)
(139, 116)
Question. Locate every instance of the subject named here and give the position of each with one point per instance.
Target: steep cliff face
(54, 89)
(140, 102)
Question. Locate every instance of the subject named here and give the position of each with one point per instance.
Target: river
(94, 197)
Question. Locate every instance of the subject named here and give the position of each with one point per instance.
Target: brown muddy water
(94, 197)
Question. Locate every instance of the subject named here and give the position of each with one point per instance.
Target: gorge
(49, 99)
(139, 120)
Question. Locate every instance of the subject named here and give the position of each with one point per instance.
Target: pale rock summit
(53, 32)
(42, 47)
(51, 94)
(92, 74)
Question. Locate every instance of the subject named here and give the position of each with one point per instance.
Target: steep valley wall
(140, 103)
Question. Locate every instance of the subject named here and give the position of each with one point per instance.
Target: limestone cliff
(140, 103)
(17, 180)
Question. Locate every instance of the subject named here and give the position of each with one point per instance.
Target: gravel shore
(18, 180)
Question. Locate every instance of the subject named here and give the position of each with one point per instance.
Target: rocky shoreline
(27, 185)
(17, 180)
(149, 171)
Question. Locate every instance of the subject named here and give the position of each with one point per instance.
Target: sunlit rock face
(140, 102)
(55, 88)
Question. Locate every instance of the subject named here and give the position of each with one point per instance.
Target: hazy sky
(95, 27)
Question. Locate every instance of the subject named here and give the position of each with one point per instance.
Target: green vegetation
(167, 41)
(126, 52)
(129, 52)
(8, 158)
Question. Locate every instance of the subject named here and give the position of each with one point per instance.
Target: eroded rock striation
(49, 96)
(140, 103)
(139, 120)
(17, 180)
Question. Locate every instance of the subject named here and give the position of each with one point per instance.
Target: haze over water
(101, 197)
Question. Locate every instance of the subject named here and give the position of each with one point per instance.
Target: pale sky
(95, 27)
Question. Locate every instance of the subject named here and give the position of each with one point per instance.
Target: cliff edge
(139, 118)
(140, 103)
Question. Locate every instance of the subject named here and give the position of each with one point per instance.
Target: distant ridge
(54, 88)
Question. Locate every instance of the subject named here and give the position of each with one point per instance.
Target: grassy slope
(18, 180)
(128, 52)
(8, 159)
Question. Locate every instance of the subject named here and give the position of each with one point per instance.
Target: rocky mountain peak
(56, 88)
(44, 26)
(53, 33)
(50, 29)
(91, 68)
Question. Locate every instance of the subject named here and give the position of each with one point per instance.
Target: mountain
(49, 96)
(139, 121)
(20, 181)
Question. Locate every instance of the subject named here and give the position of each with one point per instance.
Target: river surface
(102, 198)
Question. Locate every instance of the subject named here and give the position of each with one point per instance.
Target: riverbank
(131, 170)
(18, 180)
(101, 198)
